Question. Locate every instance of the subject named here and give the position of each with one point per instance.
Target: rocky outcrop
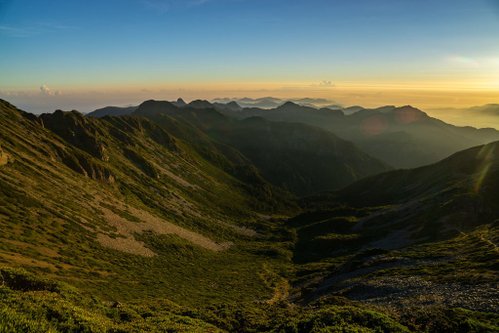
(76, 130)
(85, 165)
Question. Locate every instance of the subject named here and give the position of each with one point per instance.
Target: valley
(184, 217)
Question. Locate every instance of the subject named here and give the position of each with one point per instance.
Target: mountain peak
(200, 104)
(289, 104)
(152, 107)
(59, 115)
(408, 107)
(180, 102)
(233, 104)
(409, 114)
(292, 106)
(112, 111)
(153, 102)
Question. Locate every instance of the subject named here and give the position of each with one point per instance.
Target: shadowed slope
(400, 136)
(297, 157)
(426, 236)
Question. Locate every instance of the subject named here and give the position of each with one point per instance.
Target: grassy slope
(56, 191)
(405, 240)
(300, 158)
(51, 216)
(56, 197)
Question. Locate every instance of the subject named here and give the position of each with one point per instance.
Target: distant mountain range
(297, 157)
(478, 116)
(478, 111)
(272, 102)
(403, 137)
(400, 136)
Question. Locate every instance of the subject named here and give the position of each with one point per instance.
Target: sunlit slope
(133, 224)
(121, 207)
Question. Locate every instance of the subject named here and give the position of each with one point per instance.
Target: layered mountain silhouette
(273, 102)
(205, 216)
(296, 157)
(403, 137)
(481, 116)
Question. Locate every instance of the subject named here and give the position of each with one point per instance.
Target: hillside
(297, 157)
(300, 158)
(403, 137)
(94, 201)
(152, 222)
(407, 238)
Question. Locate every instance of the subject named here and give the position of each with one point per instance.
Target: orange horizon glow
(426, 95)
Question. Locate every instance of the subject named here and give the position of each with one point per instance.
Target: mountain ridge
(254, 139)
(152, 222)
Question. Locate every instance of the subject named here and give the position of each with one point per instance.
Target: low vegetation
(134, 224)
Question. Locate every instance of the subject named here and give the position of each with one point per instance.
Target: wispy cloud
(326, 83)
(22, 31)
(19, 32)
(46, 91)
(323, 84)
(473, 62)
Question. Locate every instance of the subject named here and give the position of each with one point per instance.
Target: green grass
(49, 307)
(35, 304)
(50, 215)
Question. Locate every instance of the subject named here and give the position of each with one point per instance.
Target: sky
(82, 55)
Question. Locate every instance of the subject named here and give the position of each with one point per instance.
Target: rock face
(85, 134)
(87, 167)
(77, 130)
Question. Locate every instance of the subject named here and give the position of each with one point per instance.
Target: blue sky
(236, 47)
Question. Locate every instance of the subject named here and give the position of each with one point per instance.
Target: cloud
(19, 32)
(473, 62)
(463, 61)
(326, 83)
(46, 91)
(34, 29)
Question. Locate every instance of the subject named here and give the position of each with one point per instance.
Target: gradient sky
(84, 54)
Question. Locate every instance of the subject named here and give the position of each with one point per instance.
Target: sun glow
(486, 154)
